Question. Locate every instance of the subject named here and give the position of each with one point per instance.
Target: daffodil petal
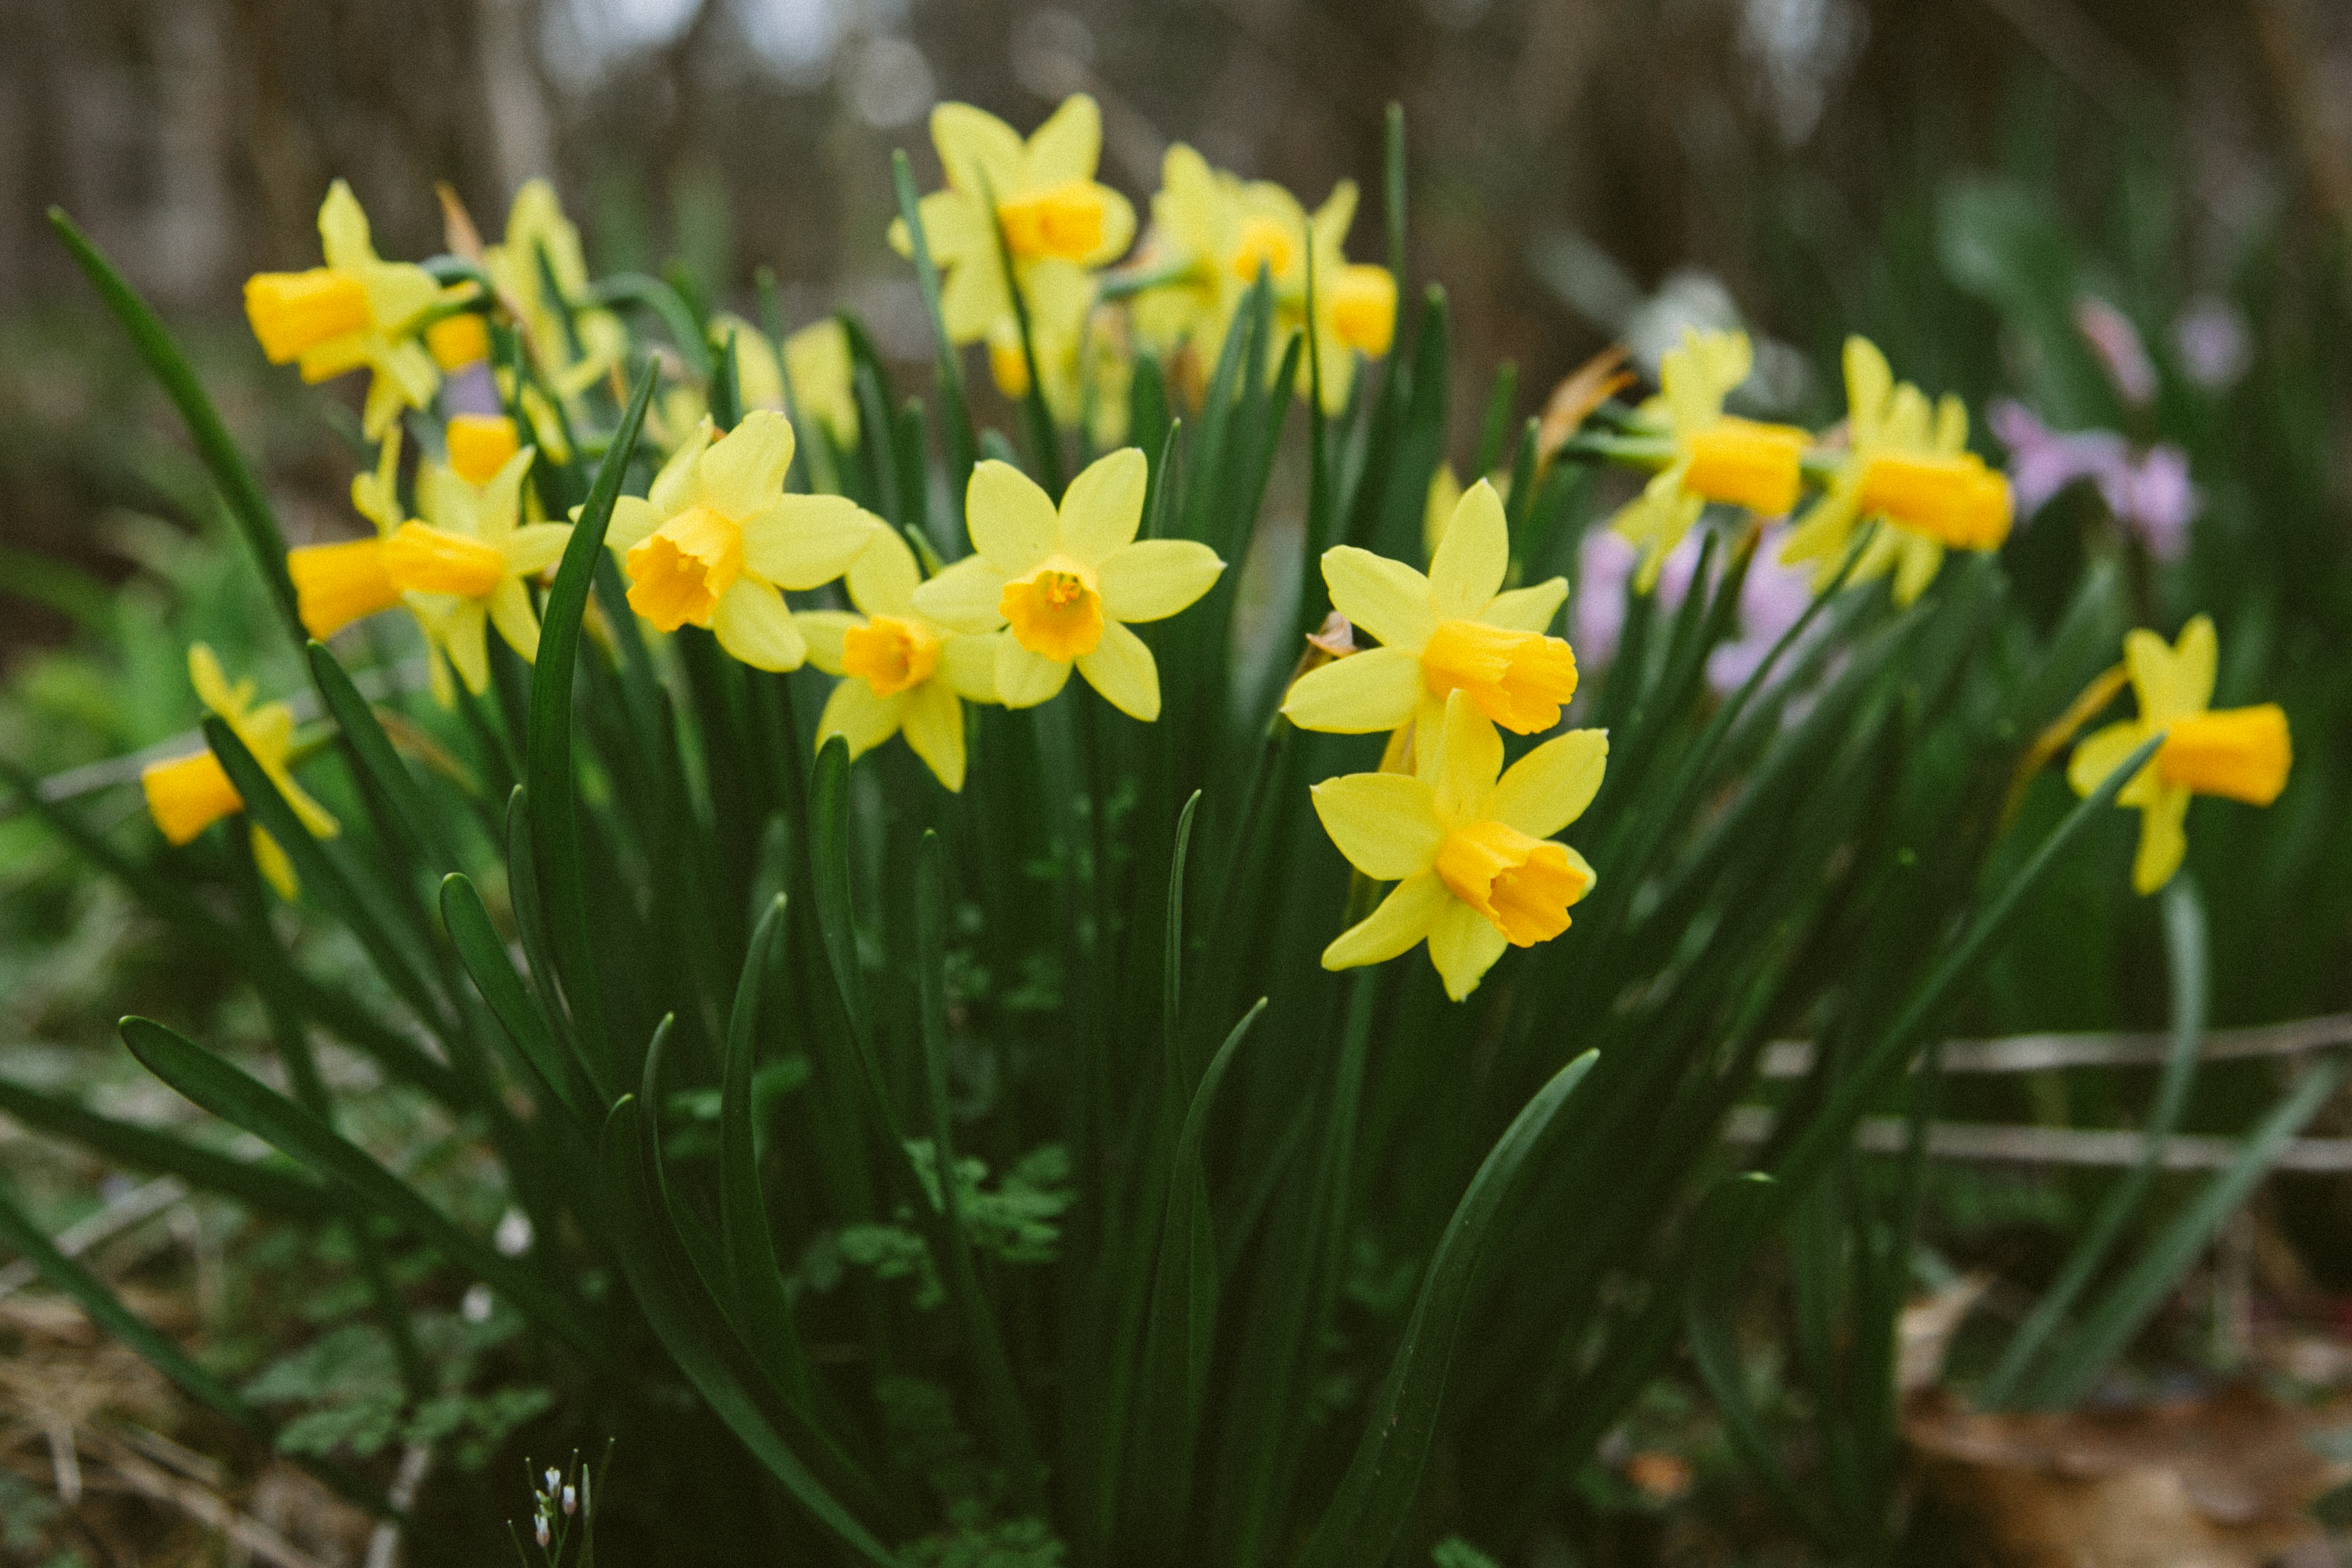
(955, 226)
(1386, 598)
(1384, 824)
(1012, 522)
(965, 596)
(1025, 679)
(1916, 564)
(1402, 919)
(634, 518)
(980, 154)
(1151, 579)
(804, 542)
(1869, 384)
(509, 610)
(1469, 754)
(1376, 689)
(744, 471)
(823, 631)
(1528, 608)
(884, 576)
(1066, 147)
(2101, 752)
(532, 548)
(933, 726)
(2172, 682)
(343, 229)
(1122, 670)
(854, 713)
(2162, 841)
(974, 299)
(1464, 945)
(751, 623)
(1549, 788)
(679, 484)
(1104, 505)
(1473, 557)
(462, 635)
(968, 665)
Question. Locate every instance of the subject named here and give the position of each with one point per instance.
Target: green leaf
(374, 761)
(264, 1188)
(555, 813)
(484, 954)
(955, 413)
(1375, 1497)
(666, 302)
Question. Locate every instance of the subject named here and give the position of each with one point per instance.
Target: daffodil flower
(717, 540)
(1056, 219)
(1450, 631)
(1716, 456)
(2241, 753)
(816, 359)
(1476, 867)
(1907, 463)
(1083, 361)
(460, 569)
(1067, 583)
(574, 346)
(189, 794)
(903, 672)
(356, 310)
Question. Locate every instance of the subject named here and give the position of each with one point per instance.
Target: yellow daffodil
(816, 358)
(460, 569)
(536, 228)
(1472, 854)
(717, 540)
(1057, 221)
(1716, 456)
(1082, 359)
(1907, 463)
(1067, 583)
(357, 310)
(481, 444)
(2241, 753)
(458, 342)
(1437, 510)
(903, 672)
(1192, 216)
(1454, 630)
(189, 794)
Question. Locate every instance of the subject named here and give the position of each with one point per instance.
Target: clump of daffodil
(459, 570)
(357, 310)
(1066, 583)
(2242, 753)
(1057, 221)
(571, 344)
(1907, 463)
(189, 794)
(717, 540)
(1715, 456)
(1454, 630)
(1472, 854)
(902, 671)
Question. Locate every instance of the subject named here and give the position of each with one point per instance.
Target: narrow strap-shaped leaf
(684, 1323)
(1377, 1492)
(236, 1097)
(230, 472)
(373, 758)
(486, 961)
(955, 412)
(554, 812)
(677, 320)
(259, 1187)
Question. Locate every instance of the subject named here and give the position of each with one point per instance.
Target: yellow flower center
(679, 574)
(1009, 366)
(335, 585)
(1746, 464)
(1267, 242)
(1054, 611)
(1953, 499)
(422, 560)
(1363, 307)
(1523, 885)
(1519, 679)
(480, 444)
(457, 341)
(294, 312)
(890, 654)
(2241, 752)
(189, 794)
(1065, 221)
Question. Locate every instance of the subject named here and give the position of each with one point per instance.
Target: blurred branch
(2040, 1053)
(1993, 1144)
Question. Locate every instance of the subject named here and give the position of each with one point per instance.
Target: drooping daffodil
(357, 310)
(717, 540)
(1066, 583)
(1057, 220)
(188, 794)
(1454, 630)
(902, 672)
(2241, 753)
(1906, 463)
(1476, 867)
(1716, 456)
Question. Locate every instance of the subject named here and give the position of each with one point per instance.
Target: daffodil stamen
(1522, 885)
(1054, 611)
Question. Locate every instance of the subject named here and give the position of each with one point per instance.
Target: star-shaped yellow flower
(1066, 583)
(1908, 464)
(1718, 456)
(1058, 219)
(717, 540)
(356, 310)
(903, 672)
(1450, 631)
(189, 794)
(2242, 753)
(1472, 854)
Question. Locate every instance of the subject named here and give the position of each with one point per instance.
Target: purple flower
(2156, 499)
(1770, 600)
(2115, 341)
(2150, 496)
(2213, 342)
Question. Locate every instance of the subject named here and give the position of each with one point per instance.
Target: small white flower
(512, 1240)
(475, 1308)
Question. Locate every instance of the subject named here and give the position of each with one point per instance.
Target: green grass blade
(259, 1187)
(1361, 1525)
(374, 761)
(555, 813)
(955, 412)
(485, 957)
